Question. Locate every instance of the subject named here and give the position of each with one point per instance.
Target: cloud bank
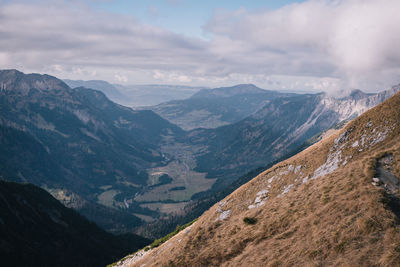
(314, 45)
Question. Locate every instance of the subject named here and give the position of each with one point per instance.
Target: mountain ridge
(229, 91)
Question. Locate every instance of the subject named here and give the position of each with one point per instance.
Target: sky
(314, 45)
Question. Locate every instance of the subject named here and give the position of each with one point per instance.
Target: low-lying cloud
(314, 45)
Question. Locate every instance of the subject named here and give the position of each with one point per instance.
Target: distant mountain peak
(239, 89)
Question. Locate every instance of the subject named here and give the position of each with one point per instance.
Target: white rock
(290, 168)
(263, 192)
(355, 144)
(286, 189)
(331, 164)
(305, 180)
(224, 215)
(260, 200)
(297, 169)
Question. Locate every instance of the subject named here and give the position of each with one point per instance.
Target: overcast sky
(289, 45)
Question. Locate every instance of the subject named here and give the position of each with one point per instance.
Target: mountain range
(217, 107)
(137, 95)
(121, 167)
(334, 204)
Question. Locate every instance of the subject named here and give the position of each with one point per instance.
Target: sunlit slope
(320, 207)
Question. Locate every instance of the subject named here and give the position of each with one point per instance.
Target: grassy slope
(338, 219)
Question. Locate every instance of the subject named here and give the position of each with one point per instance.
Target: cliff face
(335, 203)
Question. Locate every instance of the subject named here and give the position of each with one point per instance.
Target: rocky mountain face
(281, 126)
(217, 107)
(335, 203)
(37, 230)
(76, 140)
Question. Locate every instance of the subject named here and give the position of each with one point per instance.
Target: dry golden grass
(339, 219)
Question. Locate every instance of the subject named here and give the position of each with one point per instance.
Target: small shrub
(371, 225)
(315, 253)
(326, 199)
(249, 220)
(340, 248)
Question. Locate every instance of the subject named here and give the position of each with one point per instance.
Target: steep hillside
(333, 204)
(37, 230)
(281, 126)
(217, 107)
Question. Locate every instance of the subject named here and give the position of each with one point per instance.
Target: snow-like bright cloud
(355, 40)
(314, 45)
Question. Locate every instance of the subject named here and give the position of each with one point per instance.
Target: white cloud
(356, 40)
(121, 78)
(4, 59)
(43, 34)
